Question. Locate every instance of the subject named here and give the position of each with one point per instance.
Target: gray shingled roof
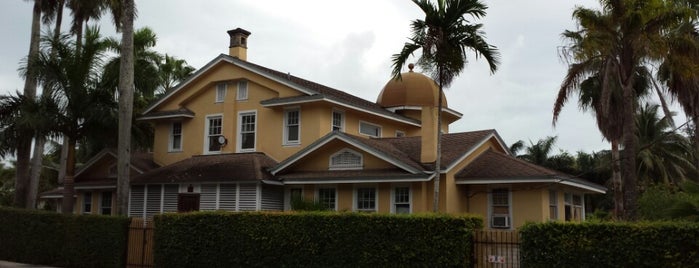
(212, 168)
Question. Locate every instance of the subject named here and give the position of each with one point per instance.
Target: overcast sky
(347, 45)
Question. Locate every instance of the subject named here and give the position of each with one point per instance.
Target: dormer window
(346, 159)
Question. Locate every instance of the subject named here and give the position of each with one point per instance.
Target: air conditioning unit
(500, 221)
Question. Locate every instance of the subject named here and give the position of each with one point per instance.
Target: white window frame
(400, 133)
(331, 166)
(101, 205)
(242, 90)
(239, 136)
(370, 124)
(509, 207)
(340, 127)
(206, 133)
(286, 126)
(317, 194)
(87, 201)
(393, 197)
(221, 89)
(553, 204)
(171, 143)
(355, 198)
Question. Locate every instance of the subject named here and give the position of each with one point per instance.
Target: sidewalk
(7, 264)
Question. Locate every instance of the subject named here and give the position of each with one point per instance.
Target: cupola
(238, 43)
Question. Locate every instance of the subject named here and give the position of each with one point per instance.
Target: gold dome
(414, 89)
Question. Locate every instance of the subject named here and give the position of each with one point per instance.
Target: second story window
(213, 132)
(175, 137)
(338, 121)
(246, 131)
(242, 90)
(220, 92)
(292, 126)
(370, 129)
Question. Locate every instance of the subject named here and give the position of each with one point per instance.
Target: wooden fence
(495, 249)
(140, 244)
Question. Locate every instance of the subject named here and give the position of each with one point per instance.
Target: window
(500, 208)
(292, 126)
(365, 199)
(213, 133)
(246, 142)
(346, 159)
(295, 194)
(242, 90)
(327, 198)
(577, 207)
(338, 121)
(400, 133)
(176, 137)
(401, 200)
(573, 207)
(370, 129)
(106, 203)
(553, 205)
(87, 202)
(220, 92)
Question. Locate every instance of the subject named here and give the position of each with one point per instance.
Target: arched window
(346, 159)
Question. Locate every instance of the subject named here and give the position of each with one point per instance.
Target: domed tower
(416, 96)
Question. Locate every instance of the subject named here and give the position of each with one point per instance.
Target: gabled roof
(140, 161)
(493, 167)
(375, 147)
(212, 168)
(304, 86)
(179, 113)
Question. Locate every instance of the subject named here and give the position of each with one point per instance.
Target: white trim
(350, 142)
(444, 109)
(285, 126)
(393, 197)
(359, 130)
(342, 119)
(346, 167)
(95, 187)
(238, 95)
(316, 196)
(544, 180)
(239, 137)
(355, 181)
(164, 117)
(207, 122)
(221, 90)
(170, 147)
(355, 198)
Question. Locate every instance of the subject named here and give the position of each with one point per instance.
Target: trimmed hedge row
(312, 239)
(47, 238)
(660, 244)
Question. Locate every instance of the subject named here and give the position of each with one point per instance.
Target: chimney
(239, 43)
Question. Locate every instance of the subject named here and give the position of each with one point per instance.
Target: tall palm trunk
(126, 88)
(438, 161)
(616, 181)
(629, 153)
(68, 182)
(22, 176)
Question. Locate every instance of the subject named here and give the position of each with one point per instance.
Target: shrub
(659, 244)
(312, 239)
(48, 238)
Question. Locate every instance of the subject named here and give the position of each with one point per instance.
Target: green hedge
(47, 238)
(312, 239)
(660, 244)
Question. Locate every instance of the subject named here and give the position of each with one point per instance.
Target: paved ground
(7, 264)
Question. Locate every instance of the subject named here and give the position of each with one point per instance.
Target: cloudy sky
(348, 45)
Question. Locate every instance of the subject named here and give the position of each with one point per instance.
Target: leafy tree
(444, 37)
(613, 42)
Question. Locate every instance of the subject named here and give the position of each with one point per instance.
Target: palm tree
(171, 72)
(83, 11)
(444, 37)
(664, 155)
(539, 152)
(612, 43)
(72, 77)
(126, 91)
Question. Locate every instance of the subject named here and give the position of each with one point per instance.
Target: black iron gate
(493, 248)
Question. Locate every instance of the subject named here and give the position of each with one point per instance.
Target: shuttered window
(346, 159)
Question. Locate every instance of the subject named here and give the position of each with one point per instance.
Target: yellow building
(238, 136)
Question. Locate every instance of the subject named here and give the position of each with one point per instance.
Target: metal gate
(493, 248)
(140, 244)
